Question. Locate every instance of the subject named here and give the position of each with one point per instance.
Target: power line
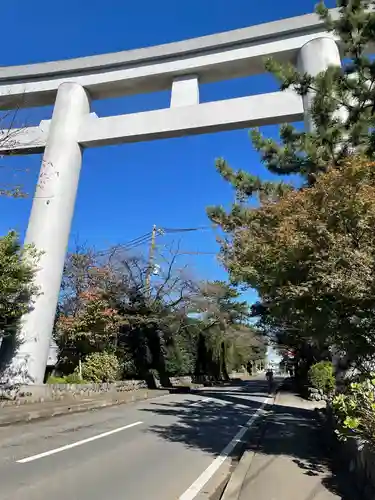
(196, 253)
(136, 242)
(115, 248)
(185, 229)
(147, 237)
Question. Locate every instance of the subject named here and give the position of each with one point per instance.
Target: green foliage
(17, 269)
(226, 341)
(106, 307)
(310, 255)
(129, 368)
(73, 378)
(101, 367)
(179, 362)
(52, 379)
(310, 258)
(321, 377)
(342, 111)
(92, 328)
(355, 412)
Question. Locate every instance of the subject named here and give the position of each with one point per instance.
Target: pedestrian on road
(269, 377)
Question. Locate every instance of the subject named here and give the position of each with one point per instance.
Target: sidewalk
(288, 460)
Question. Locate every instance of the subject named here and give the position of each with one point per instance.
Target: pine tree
(349, 89)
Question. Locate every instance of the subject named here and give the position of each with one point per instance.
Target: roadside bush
(56, 380)
(129, 368)
(17, 290)
(355, 412)
(73, 378)
(101, 367)
(321, 377)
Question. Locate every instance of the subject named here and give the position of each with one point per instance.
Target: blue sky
(124, 190)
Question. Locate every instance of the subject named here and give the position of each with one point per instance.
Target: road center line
(206, 475)
(77, 443)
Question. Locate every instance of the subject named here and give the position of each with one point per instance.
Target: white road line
(200, 401)
(206, 475)
(77, 443)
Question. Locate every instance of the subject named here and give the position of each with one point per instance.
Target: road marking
(200, 401)
(77, 443)
(206, 475)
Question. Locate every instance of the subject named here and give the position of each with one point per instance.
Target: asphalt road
(162, 449)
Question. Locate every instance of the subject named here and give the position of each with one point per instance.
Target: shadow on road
(210, 425)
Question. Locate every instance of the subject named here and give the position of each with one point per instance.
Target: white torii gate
(181, 67)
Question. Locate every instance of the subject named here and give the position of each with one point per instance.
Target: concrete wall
(56, 392)
(361, 465)
(352, 457)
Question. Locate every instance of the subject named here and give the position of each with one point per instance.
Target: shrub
(129, 369)
(73, 378)
(178, 362)
(355, 412)
(56, 380)
(17, 289)
(321, 377)
(101, 367)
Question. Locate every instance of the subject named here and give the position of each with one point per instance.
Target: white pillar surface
(185, 91)
(313, 58)
(49, 228)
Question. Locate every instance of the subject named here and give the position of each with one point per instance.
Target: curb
(233, 488)
(74, 408)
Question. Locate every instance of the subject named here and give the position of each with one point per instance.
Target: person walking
(269, 377)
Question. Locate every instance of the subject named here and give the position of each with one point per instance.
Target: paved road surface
(162, 449)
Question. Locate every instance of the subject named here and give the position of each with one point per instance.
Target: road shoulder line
(206, 475)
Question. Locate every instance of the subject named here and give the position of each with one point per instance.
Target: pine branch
(343, 109)
(247, 185)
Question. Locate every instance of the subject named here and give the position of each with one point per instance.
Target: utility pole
(151, 259)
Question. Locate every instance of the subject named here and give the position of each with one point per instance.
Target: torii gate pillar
(49, 228)
(313, 58)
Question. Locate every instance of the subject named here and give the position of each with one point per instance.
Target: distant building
(273, 358)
